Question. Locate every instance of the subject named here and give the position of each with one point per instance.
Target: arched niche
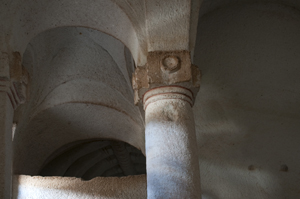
(79, 89)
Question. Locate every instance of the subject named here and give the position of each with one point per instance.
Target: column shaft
(6, 120)
(171, 148)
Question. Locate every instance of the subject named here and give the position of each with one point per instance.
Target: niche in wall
(95, 158)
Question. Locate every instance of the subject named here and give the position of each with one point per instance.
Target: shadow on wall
(247, 110)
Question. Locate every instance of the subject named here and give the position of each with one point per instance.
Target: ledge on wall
(37, 187)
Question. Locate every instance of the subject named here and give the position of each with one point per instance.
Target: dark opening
(89, 159)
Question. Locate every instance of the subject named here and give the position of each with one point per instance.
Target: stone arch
(105, 16)
(76, 85)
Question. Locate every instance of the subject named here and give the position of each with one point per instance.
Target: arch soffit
(105, 16)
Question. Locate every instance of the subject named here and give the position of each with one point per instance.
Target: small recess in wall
(251, 167)
(284, 168)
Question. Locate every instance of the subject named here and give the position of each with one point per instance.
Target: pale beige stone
(27, 187)
(246, 113)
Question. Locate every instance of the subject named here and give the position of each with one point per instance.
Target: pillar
(6, 120)
(166, 88)
(171, 148)
(13, 80)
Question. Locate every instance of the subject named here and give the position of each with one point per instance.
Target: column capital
(13, 78)
(167, 69)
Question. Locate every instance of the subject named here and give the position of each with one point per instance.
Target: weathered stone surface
(157, 73)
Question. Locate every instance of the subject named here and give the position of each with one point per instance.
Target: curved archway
(105, 16)
(94, 158)
(80, 90)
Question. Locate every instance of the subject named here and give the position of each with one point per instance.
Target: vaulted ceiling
(247, 111)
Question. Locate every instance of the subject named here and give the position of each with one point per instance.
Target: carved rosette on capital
(13, 78)
(171, 72)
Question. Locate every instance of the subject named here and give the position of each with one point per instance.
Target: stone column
(167, 87)
(6, 120)
(12, 93)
